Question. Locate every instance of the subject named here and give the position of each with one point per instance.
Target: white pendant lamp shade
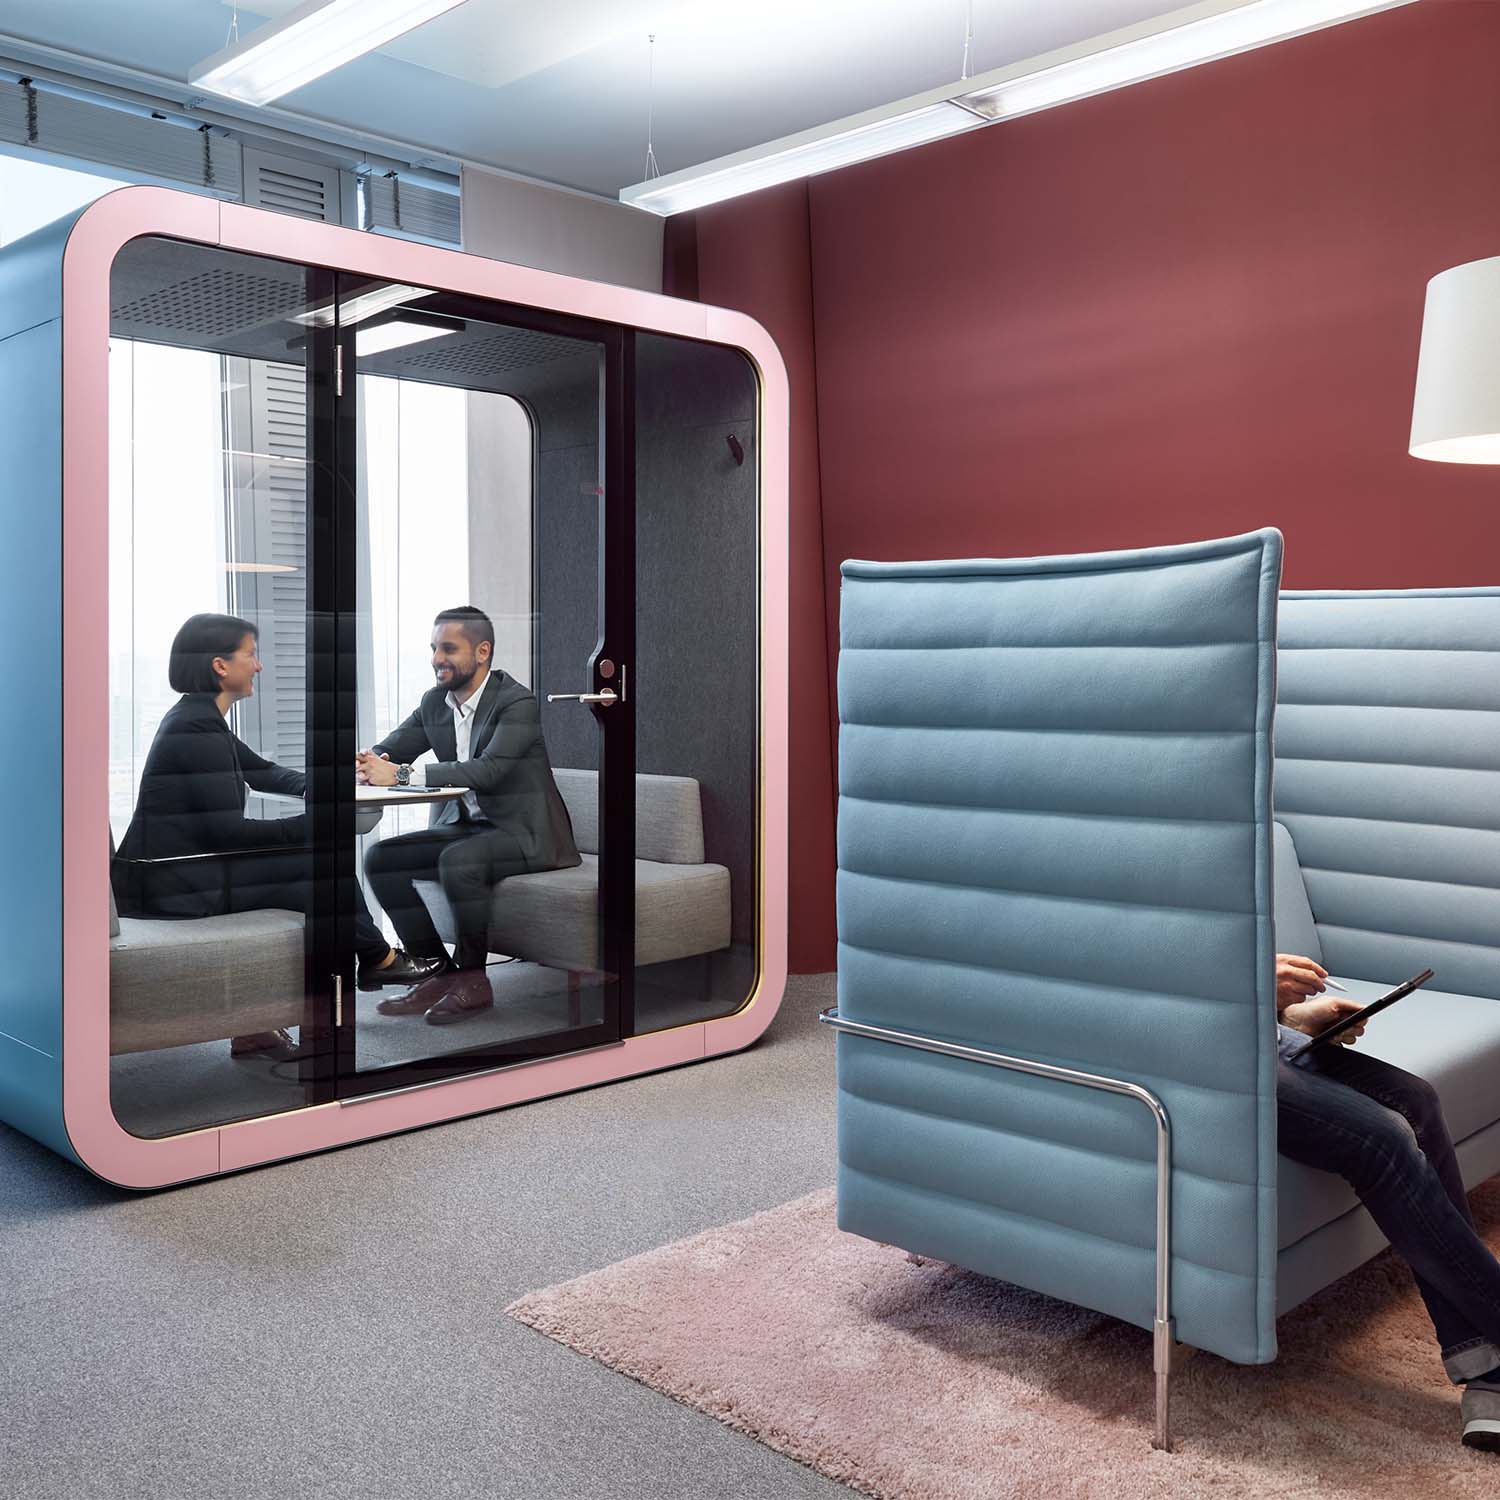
(1456, 414)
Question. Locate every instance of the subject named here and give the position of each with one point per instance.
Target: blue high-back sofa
(1062, 885)
(1388, 781)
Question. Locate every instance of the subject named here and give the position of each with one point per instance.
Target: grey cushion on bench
(551, 917)
(172, 983)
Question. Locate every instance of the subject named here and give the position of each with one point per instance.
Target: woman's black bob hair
(203, 637)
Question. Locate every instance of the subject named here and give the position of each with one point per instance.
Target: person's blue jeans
(1382, 1130)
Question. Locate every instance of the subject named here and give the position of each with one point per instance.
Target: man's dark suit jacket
(192, 801)
(508, 769)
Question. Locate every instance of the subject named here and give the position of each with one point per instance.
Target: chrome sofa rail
(1162, 1341)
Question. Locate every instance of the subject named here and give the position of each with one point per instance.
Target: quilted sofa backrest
(1054, 842)
(1388, 775)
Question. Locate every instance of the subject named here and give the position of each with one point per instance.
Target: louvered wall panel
(1388, 775)
(1054, 822)
(284, 424)
(306, 190)
(133, 144)
(408, 208)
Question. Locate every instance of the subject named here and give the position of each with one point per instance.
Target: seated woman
(192, 803)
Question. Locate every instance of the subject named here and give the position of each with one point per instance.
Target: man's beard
(460, 679)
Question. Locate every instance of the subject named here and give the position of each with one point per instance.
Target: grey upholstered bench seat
(681, 902)
(551, 918)
(172, 983)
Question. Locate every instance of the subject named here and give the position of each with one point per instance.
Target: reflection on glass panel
(483, 859)
(211, 874)
(697, 682)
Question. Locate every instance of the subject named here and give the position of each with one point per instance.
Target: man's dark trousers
(1382, 1130)
(467, 859)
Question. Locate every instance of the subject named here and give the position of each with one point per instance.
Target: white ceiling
(557, 89)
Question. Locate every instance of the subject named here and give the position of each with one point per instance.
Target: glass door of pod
(432, 633)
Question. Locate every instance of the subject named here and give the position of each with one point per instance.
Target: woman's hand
(1312, 1017)
(1297, 979)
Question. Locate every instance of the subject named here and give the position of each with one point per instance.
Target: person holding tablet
(1382, 1130)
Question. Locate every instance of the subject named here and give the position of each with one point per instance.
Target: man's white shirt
(463, 732)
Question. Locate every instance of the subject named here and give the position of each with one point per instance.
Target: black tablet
(1359, 1017)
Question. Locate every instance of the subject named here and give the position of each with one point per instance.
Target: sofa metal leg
(1161, 1362)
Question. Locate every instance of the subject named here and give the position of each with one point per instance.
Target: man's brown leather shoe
(468, 992)
(421, 999)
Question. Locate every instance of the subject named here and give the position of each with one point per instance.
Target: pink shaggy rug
(916, 1381)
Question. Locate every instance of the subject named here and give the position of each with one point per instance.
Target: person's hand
(1297, 978)
(1313, 1017)
(373, 770)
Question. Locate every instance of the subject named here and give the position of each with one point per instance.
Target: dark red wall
(768, 273)
(1184, 309)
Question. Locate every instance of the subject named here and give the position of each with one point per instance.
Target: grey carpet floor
(334, 1326)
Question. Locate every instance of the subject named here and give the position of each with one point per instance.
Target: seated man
(486, 731)
(1382, 1130)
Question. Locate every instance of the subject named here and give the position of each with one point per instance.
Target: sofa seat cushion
(172, 983)
(1453, 1041)
(551, 917)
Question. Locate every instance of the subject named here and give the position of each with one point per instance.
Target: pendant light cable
(968, 39)
(652, 170)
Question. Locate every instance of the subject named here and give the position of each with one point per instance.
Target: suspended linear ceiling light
(306, 43)
(397, 330)
(1167, 44)
(357, 307)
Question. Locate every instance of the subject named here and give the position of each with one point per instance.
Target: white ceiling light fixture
(359, 307)
(878, 132)
(1199, 33)
(381, 335)
(311, 40)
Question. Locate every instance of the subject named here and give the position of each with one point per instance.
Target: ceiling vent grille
(303, 189)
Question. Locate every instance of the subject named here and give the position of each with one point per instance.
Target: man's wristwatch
(403, 775)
